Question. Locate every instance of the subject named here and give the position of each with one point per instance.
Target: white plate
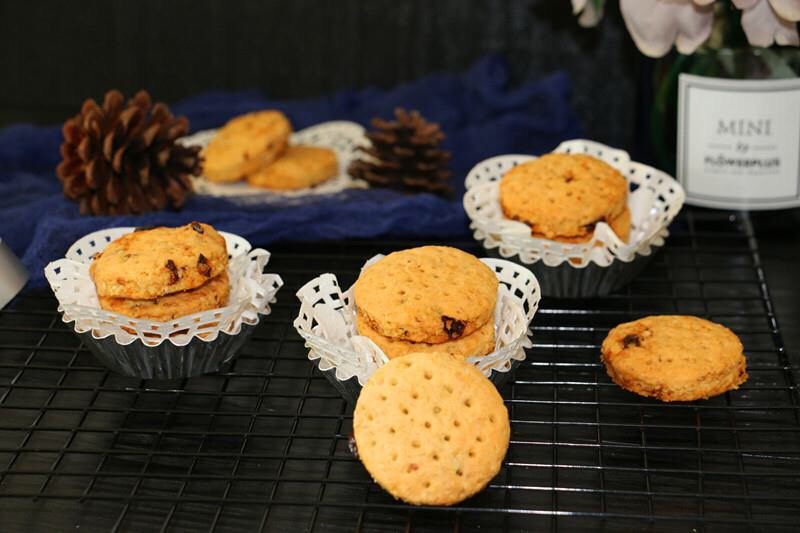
(341, 136)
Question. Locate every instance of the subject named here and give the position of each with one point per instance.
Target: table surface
(264, 443)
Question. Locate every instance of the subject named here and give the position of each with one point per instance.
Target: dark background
(55, 54)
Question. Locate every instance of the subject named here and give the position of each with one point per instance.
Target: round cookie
(212, 295)
(480, 342)
(245, 144)
(674, 358)
(298, 168)
(620, 225)
(563, 195)
(144, 265)
(431, 294)
(431, 429)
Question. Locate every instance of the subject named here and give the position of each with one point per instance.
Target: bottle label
(739, 142)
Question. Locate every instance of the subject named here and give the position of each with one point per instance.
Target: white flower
(768, 21)
(591, 11)
(655, 25)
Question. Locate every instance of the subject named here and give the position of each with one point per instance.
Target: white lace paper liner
(341, 136)
(655, 199)
(252, 292)
(327, 323)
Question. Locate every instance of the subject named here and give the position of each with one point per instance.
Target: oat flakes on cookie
(431, 294)
(431, 429)
(300, 167)
(149, 264)
(674, 358)
(564, 196)
(246, 144)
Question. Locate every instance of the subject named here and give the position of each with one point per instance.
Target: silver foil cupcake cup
(167, 361)
(591, 281)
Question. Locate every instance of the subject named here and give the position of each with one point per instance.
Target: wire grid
(263, 445)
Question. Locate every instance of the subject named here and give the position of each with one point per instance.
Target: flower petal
(590, 13)
(578, 5)
(763, 26)
(745, 4)
(656, 24)
(694, 28)
(787, 9)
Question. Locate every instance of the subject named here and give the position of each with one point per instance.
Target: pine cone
(122, 158)
(405, 154)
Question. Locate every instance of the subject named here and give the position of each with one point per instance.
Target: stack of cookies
(163, 273)
(255, 147)
(428, 299)
(431, 429)
(562, 197)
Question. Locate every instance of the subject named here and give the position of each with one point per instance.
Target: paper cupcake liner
(654, 201)
(341, 136)
(327, 323)
(187, 346)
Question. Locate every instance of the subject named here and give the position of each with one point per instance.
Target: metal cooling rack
(263, 445)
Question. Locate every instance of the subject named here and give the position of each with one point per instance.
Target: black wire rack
(263, 445)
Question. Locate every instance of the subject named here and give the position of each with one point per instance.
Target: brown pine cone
(405, 155)
(122, 158)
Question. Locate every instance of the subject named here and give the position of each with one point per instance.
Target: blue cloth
(479, 113)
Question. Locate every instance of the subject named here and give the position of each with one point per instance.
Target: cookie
(563, 196)
(430, 294)
(212, 295)
(246, 144)
(431, 429)
(298, 168)
(620, 225)
(674, 358)
(144, 265)
(480, 342)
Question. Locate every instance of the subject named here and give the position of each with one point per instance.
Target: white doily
(327, 323)
(341, 136)
(655, 199)
(252, 292)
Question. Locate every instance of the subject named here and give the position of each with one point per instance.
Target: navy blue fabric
(479, 113)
